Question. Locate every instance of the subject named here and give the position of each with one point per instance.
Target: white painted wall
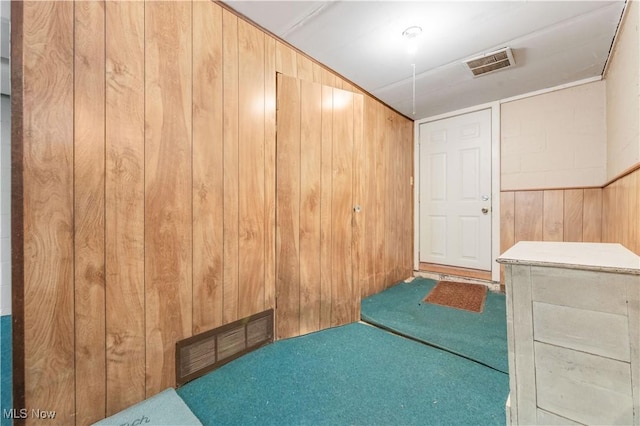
(555, 140)
(5, 162)
(623, 96)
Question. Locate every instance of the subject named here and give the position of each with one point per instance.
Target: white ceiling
(554, 42)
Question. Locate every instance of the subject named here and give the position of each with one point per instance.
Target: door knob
(485, 210)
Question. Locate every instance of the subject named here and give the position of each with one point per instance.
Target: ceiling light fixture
(412, 32)
(411, 36)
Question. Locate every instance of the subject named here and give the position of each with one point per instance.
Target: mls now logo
(23, 413)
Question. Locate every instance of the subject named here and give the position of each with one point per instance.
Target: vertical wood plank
(317, 73)
(507, 225)
(524, 364)
(326, 178)
(208, 178)
(528, 216)
(634, 217)
(553, 221)
(507, 220)
(328, 78)
(347, 86)
(358, 198)
(310, 192)
(382, 150)
(270, 172)
(168, 187)
(124, 214)
(288, 209)
(89, 171)
(390, 235)
(47, 99)
(409, 236)
(304, 68)
(623, 210)
(231, 160)
(251, 170)
(341, 207)
(367, 195)
(573, 214)
(286, 60)
(607, 193)
(592, 215)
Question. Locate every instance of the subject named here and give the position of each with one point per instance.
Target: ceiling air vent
(491, 62)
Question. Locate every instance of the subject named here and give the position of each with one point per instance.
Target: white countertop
(605, 257)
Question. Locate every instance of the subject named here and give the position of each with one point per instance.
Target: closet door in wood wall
(318, 127)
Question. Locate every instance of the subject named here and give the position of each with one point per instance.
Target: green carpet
(481, 337)
(350, 375)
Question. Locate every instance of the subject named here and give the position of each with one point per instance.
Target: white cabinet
(573, 322)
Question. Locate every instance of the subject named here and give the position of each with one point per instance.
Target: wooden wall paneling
(358, 221)
(310, 193)
(382, 208)
(286, 60)
(124, 206)
(89, 173)
(304, 67)
(528, 216)
(367, 196)
(592, 215)
(328, 78)
(231, 160)
(507, 224)
(507, 220)
(168, 187)
(346, 85)
(396, 192)
(48, 207)
(270, 172)
(408, 183)
(326, 178)
(634, 213)
(208, 178)
(288, 208)
(612, 213)
(317, 73)
(607, 192)
(390, 199)
(341, 208)
(18, 283)
(251, 170)
(573, 214)
(552, 221)
(620, 212)
(623, 210)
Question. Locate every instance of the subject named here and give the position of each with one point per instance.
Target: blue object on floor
(165, 408)
(6, 369)
(478, 336)
(350, 375)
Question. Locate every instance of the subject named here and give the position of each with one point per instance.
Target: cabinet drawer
(585, 388)
(594, 291)
(598, 333)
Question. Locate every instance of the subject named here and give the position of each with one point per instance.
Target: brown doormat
(469, 297)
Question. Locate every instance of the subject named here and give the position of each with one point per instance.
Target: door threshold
(454, 270)
(448, 273)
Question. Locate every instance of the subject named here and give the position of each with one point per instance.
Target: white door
(455, 191)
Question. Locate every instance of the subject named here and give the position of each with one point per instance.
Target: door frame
(495, 181)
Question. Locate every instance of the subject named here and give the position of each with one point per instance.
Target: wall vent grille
(491, 62)
(204, 352)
